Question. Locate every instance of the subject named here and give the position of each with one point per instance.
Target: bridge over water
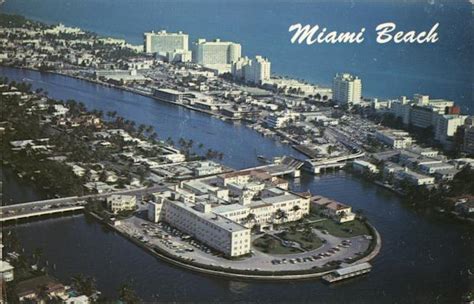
(62, 205)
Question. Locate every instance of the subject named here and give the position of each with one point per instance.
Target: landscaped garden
(349, 229)
(269, 244)
(306, 238)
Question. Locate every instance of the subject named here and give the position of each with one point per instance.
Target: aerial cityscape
(187, 169)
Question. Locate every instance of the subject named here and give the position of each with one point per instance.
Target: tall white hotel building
(347, 89)
(173, 46)
(216, 52)
(255, 70)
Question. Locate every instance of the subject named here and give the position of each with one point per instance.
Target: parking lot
(182, 245)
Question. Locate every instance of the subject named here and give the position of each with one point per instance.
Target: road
(23, 209)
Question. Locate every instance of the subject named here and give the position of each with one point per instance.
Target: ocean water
(442, 70)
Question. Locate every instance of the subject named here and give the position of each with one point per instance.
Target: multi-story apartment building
(215, 52)
(395, 139)
(446, 126)
(173, 46)
(422, 112)
(255, 70)
(346, 89)
(468, 144)
(401, 108)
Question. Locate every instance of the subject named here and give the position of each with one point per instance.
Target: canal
(425, 258)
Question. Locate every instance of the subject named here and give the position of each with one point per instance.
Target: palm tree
(42, 293)
(170, 141)
(250, 218)
(280, 215)
(296, 208)
(84, 285)
(127, 294)
(37, 254)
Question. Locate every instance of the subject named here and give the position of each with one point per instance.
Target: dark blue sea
(442, 70)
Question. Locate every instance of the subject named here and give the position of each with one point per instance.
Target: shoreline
(294, 146)
(231, 273)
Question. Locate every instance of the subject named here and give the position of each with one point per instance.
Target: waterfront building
(446, 126)
(293, 86)
(215, 52)
(421, 116)
(363, 166)
(168, 95)
(401, 108)
(278, 120)
(414, 177)
(28, 290)
(422, 112)
(235, 202)
(118, 203)
(197, 220)
(431, 168)
(393, 138)
(173, 46)
(238, 68)
(337, 211)
(347, 89)
(255, 70)
(120, 77)
(415, 161)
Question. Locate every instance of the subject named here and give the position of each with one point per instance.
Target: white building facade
(347, 89)
(173, 46)
(215, 52)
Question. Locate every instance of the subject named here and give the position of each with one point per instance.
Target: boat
(347, 272)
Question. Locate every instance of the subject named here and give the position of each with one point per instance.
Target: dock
(348, 272)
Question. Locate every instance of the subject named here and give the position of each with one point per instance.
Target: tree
(250, 218)
(296, 208)
(42, 293)
(84, 285)
(37, 254)
(127, 294)
(280, 215)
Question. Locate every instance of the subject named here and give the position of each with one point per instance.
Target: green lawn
(301, 238)
(268, 244)
(349, 229)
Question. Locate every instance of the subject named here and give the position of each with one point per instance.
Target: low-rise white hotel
(221, 210)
